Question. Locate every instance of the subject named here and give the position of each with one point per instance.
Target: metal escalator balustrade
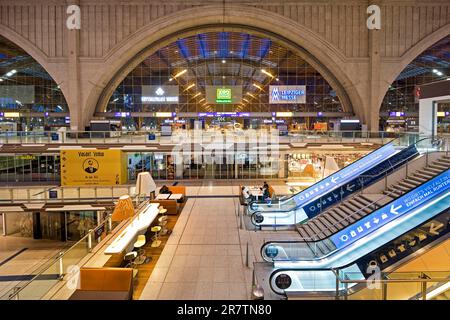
(315, 207)
(336, 187)
(434, 191)
(373, 276)
(353, 209)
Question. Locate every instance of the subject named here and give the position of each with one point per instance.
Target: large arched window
(430, 66)
(29, 97)
(193, 68)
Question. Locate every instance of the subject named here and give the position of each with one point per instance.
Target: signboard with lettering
(93, 167)
(393, 210)
(223, 94)
(160, 94)
(406, 244)
(287, 94)
(344, 175)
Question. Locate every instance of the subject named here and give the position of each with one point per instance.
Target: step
(328, 224)
(302, 232)
(436, 171)
(346, 213)
(424, 175)
(362, 208)
(339, 220)
(332, 221)
(324, 229)
(443, 161)
(363, 199)
(439, 166)
(412, 182)
(404, 186)
(311, 234)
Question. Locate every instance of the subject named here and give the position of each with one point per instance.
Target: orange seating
(106, 279)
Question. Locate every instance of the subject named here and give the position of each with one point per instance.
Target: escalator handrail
(313, 240)
(390, 142)
(404, 161)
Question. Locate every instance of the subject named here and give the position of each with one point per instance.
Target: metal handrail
(404, 161)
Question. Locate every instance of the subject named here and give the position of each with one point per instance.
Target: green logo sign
(223, 95)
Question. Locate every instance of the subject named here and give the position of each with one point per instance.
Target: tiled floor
(205, 257)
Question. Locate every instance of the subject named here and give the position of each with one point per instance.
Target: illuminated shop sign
(393, 210)
(223, 114)
(287, 94)
(220, 94)
(223, 95)
(345, 175)
(396, 114)
(122, 114)
(160, 94)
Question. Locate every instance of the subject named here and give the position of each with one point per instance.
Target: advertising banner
(223, 94)
(287, 94)
(93, 167)
(393, 210)
(160, 94)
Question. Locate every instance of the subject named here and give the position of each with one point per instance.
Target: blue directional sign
(344, 175)
(393, 210)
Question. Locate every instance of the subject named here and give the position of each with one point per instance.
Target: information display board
(93, 167)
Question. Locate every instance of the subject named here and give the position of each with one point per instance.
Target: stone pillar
(372, 112)
(73, 75)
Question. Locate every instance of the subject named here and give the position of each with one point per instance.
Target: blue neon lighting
(181, 43)
(264, 48)
(223, 44)
(201, 39)
(346, 174)
(393, 210)
(245, 46)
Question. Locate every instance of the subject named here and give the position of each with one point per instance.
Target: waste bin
(151, 136)
(55, 136)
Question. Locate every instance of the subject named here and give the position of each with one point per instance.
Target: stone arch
(393, 69)
(56, 70)
(322, 55)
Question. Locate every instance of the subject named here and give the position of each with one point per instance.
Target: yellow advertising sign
(93, 167)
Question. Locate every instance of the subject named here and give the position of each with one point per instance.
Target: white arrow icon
(376, 220)
(350, 188)
(333, 179)
(394, 209)
(433, 228)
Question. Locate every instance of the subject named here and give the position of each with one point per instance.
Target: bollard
(246, 256)
(90, 240)
(61, 266)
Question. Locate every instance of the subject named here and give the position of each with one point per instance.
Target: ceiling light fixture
(189, 86)
(267, 73)
(180, 73)
(257, 86)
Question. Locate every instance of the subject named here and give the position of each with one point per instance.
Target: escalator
(416, 218)
(341, 185)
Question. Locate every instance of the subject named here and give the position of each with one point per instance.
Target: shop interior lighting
(190, 86)
(257, 86)
(224, 61)
(202, 99)
(251, 95)
(12, 72)
(197, 94)
(267, 73)
(180, 73)
(284, 114)
(245, 100)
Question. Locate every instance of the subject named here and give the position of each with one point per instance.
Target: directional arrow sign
(334, 179)
(434, 228)
(394, 210)
(350, 188)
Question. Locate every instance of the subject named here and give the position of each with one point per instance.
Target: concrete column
(74, 93)
(372, 113)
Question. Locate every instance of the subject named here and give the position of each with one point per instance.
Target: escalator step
(302, 232)
(345, 215)
(310, 232)
(332, 221)
(339, 220)
(411, 182)
(439, 166)
(329, 244)
(314, 227)
(328, 225)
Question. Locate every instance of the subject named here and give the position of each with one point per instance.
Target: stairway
(351, 210)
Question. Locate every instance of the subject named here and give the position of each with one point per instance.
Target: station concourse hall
(242, 152)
